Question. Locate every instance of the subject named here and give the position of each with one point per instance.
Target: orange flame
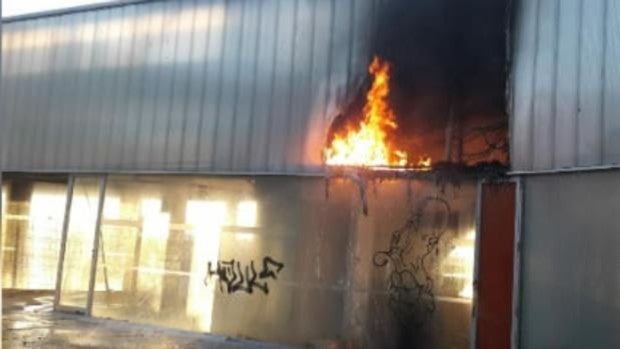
(424, 161)
(368, 144)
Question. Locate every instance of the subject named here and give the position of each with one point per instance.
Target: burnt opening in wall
(447, 85)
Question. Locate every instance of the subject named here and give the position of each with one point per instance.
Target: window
(32, 215)
(273, 259)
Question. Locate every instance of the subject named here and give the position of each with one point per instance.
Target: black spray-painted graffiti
(410, 258)
(232, 278)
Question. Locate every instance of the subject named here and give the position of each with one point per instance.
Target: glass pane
(32, 214)
(79, 244)
(276, 259)
(6, 276)
(158, 236)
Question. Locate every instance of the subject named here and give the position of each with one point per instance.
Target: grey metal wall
(566, 84)
(571, 264)
(237, 86)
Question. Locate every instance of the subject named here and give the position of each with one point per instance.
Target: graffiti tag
(410, 260)
(232, 277)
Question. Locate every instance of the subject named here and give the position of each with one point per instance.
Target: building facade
(162, 163)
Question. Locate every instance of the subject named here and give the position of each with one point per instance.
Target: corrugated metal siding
(566, 100)
(212, 86)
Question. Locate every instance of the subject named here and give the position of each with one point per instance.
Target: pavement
(29, 322)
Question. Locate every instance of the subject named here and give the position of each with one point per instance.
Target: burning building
(327, 173)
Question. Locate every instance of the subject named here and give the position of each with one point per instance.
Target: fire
(425, 161)
(368, 144)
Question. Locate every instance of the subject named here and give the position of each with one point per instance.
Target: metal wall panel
(570, 295)
(188, 85)
(566, 67)
(611, 103)
(524, 65)
(544, 83)
(566, 91)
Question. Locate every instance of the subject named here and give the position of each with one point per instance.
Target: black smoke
(448, 56)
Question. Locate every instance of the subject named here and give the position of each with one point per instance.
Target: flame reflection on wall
(462, 259)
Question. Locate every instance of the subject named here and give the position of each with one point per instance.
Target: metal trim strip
(72, 10)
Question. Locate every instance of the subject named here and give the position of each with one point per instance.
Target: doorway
(498, 203)
(78, 249)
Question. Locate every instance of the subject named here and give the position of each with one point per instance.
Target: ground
(28, 322)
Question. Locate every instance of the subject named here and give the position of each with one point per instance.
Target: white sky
(20, 7)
